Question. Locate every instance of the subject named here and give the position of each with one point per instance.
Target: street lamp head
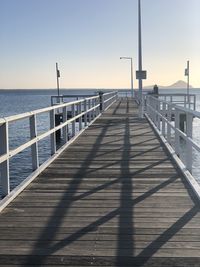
(125, 57)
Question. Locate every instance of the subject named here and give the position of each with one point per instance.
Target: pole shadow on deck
(57, 216)
(125, 250)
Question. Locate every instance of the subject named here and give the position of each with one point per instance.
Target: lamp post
(131, 59)
(140, 74)
(58, 76)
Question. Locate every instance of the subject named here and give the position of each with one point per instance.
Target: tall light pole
(140, 74)
(131, 59)
(57, 78)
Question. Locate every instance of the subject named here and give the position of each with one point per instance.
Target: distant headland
(177, 85)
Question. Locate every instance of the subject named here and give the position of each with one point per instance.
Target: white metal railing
(184, 100)
(137, 95)
(124, 93)
(175, 124)
(107, 100)
(84, 111)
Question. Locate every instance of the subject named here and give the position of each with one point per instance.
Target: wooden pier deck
(113, 198)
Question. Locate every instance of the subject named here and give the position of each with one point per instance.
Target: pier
(116, 195)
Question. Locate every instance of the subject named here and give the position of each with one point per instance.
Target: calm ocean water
(19, 101)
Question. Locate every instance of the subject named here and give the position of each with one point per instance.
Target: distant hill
(177, 85)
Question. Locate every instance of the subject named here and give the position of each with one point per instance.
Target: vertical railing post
(177, 135)
(185, 102)
(98, 109)
(163, 118)
(53, 135)
(101, 101)
(89, 107)
(147, 103)
(189, 126)
(150, 108)
(34, 147)
(194, 102)
(155, 111)
(80, 119)
(189, 101)
(169, 117)
(93, 112)
(158, 117)
(4, 166)
(73, 111)
(85, 115)
(65, 128)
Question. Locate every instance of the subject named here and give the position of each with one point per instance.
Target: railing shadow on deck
(126, 203)
(57, 216)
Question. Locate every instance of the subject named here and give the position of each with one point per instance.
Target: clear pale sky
(87, 38)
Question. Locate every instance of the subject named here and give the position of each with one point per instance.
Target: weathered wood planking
(113, 198)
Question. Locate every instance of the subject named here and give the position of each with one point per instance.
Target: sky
(88, 37)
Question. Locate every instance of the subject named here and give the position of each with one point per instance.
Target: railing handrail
(84, 110)
(42, 110)
(160, 112)
(176, 94)
(184, 109)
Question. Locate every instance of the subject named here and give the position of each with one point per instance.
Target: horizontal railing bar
(16, 151)
(39, 111)
(91, 104)
(193, 95)
(176, 94)
(65, 96)
(105, 101)
(109, 93)
(160, 111)
(90, 98)
(4, 157)
(184, 109)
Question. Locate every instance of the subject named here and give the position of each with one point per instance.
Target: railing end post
(101, 101)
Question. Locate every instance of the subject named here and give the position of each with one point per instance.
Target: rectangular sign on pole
(58, 73)
(141, 74)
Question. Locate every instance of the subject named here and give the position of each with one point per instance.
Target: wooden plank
(113, 198)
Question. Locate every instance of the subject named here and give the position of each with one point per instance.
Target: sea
(19, 101)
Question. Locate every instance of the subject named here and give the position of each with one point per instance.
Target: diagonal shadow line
(138, 154)
(106, 218)
(94, 225)
(59, 214)
(117, 107)
(121, 134)
(114, 127)
(119, 149)
(151, 249)
(132, 173)
(95, 190)
(140, 198)
(145, 255)
(146, 132)
(121, 139)
(113, 163)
